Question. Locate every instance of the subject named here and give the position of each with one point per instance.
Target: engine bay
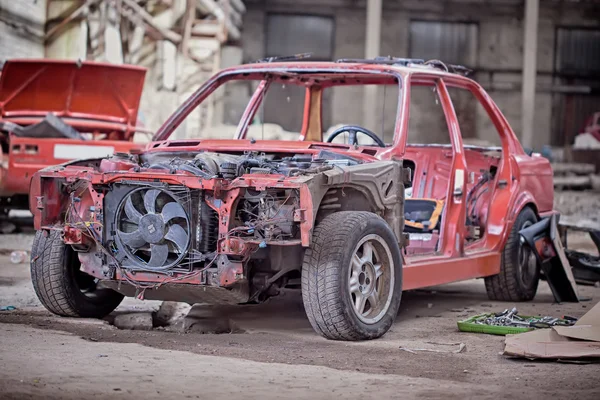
(208, 165)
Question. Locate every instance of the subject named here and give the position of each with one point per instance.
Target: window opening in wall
(449, 42)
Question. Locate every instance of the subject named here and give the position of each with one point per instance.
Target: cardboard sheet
(587, 328)
(560, 342)
(547, 344)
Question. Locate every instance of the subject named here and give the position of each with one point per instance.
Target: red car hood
(86, 90)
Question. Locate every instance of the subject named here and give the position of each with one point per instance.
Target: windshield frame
(262, 74)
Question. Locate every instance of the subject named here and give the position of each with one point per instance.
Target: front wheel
(60, 284)
(352, 277)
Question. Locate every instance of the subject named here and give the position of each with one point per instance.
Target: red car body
(100, 100)
(444, 173)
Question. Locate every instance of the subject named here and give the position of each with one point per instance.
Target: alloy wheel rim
(371, 279)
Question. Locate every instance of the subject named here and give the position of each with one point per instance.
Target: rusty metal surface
(185, 293)
(86, 90)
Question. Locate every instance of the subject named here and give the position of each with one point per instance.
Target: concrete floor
(278, 355)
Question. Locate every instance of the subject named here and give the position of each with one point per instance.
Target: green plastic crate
(467, 325)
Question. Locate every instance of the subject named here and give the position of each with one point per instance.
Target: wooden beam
(147, 19)
(188, 21)
(76, 13)
(113, 43)
(209, 7)
(135, 45)
(238, 5)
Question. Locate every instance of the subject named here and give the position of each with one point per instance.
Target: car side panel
(535, 177)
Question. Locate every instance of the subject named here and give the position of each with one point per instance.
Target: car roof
(346, 66)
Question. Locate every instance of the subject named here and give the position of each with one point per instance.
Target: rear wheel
(519, 272)
(352, 277)
(60, 284)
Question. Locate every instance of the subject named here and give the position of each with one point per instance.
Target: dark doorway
(577, 63)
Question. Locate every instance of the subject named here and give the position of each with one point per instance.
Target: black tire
(519, 270)
(326, 280)
(59, 284)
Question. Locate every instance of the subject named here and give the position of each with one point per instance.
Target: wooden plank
(168, 63)
(209, 7)
(188, 21)
(113, 45)
(148, 20)
(78, 12)
(83, 39)
(135, 45)
(238, 5)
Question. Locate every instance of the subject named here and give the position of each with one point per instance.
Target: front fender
(524, 199)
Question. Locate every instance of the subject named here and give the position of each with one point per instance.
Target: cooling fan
(153, 229)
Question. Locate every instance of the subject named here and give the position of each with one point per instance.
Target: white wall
(22, 28)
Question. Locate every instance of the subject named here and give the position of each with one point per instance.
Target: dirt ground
(277, 355)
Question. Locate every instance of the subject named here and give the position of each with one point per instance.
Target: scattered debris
(444, 344)
(7, 227)
(461, 348)
(18, 256)
(170, 312)
(560, 342)
(134, 321)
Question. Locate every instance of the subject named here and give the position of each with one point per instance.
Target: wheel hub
(367, 278)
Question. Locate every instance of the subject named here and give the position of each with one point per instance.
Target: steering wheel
(352, 131)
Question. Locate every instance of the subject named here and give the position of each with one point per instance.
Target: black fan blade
(173, 210)
(150, 200)
(133, 214)
(159, 254)
(177, 235)
(132, 239)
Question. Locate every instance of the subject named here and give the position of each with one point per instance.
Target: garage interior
(539, 60)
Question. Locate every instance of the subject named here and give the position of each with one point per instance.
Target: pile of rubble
(177, 317)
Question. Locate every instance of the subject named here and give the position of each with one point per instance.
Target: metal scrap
(511, 318)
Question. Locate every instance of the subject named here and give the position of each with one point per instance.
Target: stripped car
(54, 111)
(240, 220)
